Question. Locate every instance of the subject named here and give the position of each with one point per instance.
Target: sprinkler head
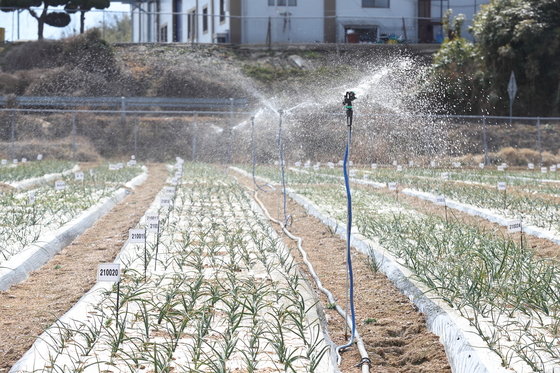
(348, 98)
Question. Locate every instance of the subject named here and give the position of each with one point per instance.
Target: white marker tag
(108, 272)
(553, 168)
(445, 175)
(39, 157)
(433, 164)
(276, 163)
(79, 176)
(24, 160)
(131, 163)
(457, 164)
(316, 167)
(297, 164)
(392, 186)
(557, 166)
(174, 181)
(352, 173)
(505, 165)
(410, 163)
(395, 163)
(501, 168)
(133, 157)
(120, 166)
(481, 166)
(351, 163)
(341, 163)
(59, 185)
(169, 190)
(514, 226)
(15, 161)
(113, 167)
(152, 222)
(31, 197)
(544, 170)
(374, 166)
(137, 236)
(4, 162)
(531, 166)
(318, 164)
(331, 165)
(91, 172)
(165, 202)
(399, 168)
(501, 185)
(366, 177)
(440, 200)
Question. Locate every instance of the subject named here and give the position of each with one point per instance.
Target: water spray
(348, 98)
(287, 217)
(253, 155)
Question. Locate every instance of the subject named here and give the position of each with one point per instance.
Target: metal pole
(510, 110)
(12, 134)
(485, 141)
(136, 137)
(539, 141)
(193, 139)
(282, 172)
(230, 140)
(74, 145)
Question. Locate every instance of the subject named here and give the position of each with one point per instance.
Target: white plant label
(531, 166)
(316, 167)
(165, 202)
(501, 168)
(31, 197)
(352, 173)
(276, 163)
(433, 164)
(544, 170)
(557, 166)
(174, 181)
(331, 165)
(481, 166)
(131, 163)
(341, 163)
(297, 164)
(152, 222)
(392, 186)
(410, 163)
(366, 176)
(445, 175)
(505, 165)
(113, 167)
(15, 161)
(553, 168)
(395, 163)
(108, 272)
(59, 185)
(399, 168)
(24, 160)
(39, 157)
(120, 166)
(79, 176)
(91, 172)
(318, 164)
(4, 162)
(456, 164)
(440, 200)
(374, 166)
(501, 185)
(169, 190)
(351, 163)
(514, 226)
(133, 157)
(137, 236)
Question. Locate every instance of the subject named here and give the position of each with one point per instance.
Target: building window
(222, 11)
(375, 3)
(163, 34)
(205, 19)
(283, 2)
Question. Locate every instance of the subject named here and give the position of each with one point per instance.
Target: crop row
(213, 290)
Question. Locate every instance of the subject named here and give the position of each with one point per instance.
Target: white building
(294, 21)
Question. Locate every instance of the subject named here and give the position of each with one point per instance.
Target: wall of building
(308, 27)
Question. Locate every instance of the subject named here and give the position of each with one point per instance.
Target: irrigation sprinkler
(348, 98)
(282, 170)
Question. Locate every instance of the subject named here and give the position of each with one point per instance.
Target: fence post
(230, 140)
(73, 133)
(12, 134)
(136, 137)
(485, 141)
(193, 138)
(539, 141)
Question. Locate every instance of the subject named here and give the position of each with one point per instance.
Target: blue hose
(348, 236)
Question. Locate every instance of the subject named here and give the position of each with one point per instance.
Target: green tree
(84, 6)
(521, 36)
(119, 30)
(43, 16)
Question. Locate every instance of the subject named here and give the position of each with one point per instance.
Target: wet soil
(394, 332)
(30, 307)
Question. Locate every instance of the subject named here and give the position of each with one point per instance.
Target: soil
(393, 331)
(30, 307)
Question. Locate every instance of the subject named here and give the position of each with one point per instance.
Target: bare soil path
(394, 332)
(27, 309)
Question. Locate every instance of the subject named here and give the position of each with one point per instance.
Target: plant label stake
(501, 168)
(399, 168)
(516, 226)
(4, 162)
(79, 176)
(544, 170)
(31, 197)
(433, 164)
(111, 272)
(39, 157)
(393, 187)
(152, 225)
(374, 166)
(502, 187)
(440, 200)
(139, 236)
(59, 185)
(445, 175)
(531, 166)
(481, 166)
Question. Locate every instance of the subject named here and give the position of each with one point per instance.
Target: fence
(143, 24)
(221, 132)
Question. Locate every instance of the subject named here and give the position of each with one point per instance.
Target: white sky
(28, 24)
